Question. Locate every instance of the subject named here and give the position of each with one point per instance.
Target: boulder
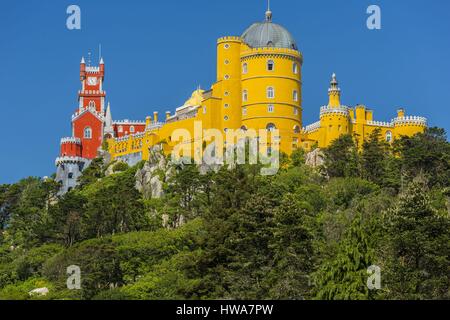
(39, 292)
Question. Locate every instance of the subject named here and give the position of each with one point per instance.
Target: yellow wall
(240, 68)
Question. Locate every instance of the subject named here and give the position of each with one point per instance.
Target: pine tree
(373, 158)
(419, 261)
(292, 250)
(345, 276)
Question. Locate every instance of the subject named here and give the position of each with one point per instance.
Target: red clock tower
(90, 122)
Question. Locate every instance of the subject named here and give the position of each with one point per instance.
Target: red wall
(126, 129)
(90, 146)
(71, 150)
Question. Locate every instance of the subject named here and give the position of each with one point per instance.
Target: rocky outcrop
(105, 155)
(315, 158)
(150, 179)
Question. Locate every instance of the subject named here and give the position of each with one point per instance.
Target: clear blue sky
(157, 52)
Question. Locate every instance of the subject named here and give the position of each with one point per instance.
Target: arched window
(245, 95)
(132, 129)
(270, 93)
(271, 127)
(295, 95)
(88, 133)
(295, 111)
(389, 136)
(270, 108)
(295, 68)
(244, 68)
(296, 129)
(270, 65)
(91, 104)
(244, 128)
(244, 111)
(70, 176)
(120, 129)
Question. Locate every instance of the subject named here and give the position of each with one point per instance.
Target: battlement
(138, 135)
(327, 110)
(229, 39)
(272, 50)
(380, 124)
(155, 126)
(71, 140)
(410, 120)
(68, 159)
(129, 122)
(91, 92)
(92, 69)
(312, 127)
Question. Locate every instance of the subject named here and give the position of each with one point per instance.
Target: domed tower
(271, 81)
(334, 118)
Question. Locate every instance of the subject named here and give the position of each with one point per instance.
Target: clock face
(92, 81)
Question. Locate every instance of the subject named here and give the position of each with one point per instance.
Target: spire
(334, 83)
(334, 92)
(108, 121)
(101, 60)
(82, 60)
(268, 12)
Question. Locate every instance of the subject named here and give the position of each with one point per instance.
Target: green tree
(99, 265)
(373, 158)
(425, 153)
(292, 250)
(120, 167)
(419, 246)
(28, 224)
(341, 158)
(4, 203)
(66, 218)
(92, 174)
(113, 206)
(344, 277)
(298, 158)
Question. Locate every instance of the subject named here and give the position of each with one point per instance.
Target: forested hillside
(305, 233)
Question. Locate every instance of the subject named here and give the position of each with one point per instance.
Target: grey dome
(268, 34)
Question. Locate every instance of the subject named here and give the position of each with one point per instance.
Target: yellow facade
(337, 119)
(258, 88)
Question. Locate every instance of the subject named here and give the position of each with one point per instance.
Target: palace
(258, 87)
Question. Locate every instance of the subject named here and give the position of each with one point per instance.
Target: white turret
(109, 128)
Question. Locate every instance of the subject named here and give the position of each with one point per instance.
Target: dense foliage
(305, 233)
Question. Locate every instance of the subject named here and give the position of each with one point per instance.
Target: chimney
(401, 113)
(155, 116)
(148, 120)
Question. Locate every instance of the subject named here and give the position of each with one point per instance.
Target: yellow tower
(229, 81)
(271, 82)
(334, 118)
